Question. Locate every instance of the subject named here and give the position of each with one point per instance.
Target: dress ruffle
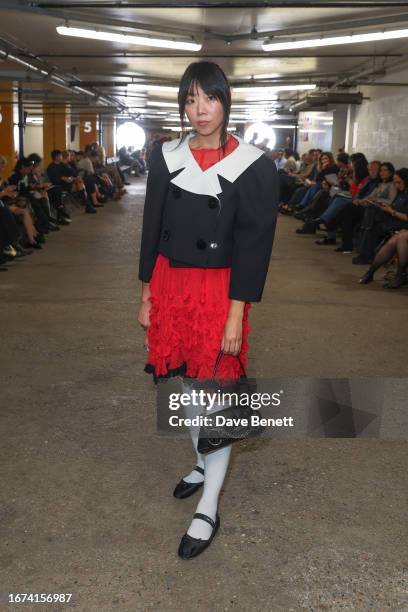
(189, 308)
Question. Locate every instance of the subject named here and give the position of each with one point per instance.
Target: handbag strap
(217, 362)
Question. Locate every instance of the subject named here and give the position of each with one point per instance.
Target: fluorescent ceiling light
(157, 103)
(128, 39)
(335, 40)
(273, 88)
(146, 86)
(256, 106)
(279, 125)
(272, 75)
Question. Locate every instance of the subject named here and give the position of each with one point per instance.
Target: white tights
(215, 466)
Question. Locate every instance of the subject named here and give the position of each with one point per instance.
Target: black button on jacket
(224, 216)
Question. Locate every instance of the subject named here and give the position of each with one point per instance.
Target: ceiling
(91, 74)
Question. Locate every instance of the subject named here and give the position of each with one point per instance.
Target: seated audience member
(20, 210)
(111, 170)
(291, 178)
(291, 165)
(137, 156)
(104, 181)
(126, 160)
(99, 151)
(11, 246)
(396, 245)
(109, 182)
(387, 219)
(280, 160)
(59, 172)
(22, 180)
(87, 172)
(358, 212)
(351, 188)
(325, 166)
(294, 186)
(51, 195)
(76, 185)
(331, 184)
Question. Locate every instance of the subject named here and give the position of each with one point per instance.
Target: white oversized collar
(205, 182)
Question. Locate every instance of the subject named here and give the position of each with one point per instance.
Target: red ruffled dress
(189, 308)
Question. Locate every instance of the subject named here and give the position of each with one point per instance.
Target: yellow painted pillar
(7, 148)
(54, 129)
(109, 127)
(88, 132)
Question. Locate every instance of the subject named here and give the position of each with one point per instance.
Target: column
(7, 148)
(339, 133)
(88, 131)
(108, 137)
(54, 129)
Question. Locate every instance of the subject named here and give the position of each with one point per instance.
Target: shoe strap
(205, 518)
(199, 469)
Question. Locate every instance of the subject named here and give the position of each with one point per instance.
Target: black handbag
(237, 423)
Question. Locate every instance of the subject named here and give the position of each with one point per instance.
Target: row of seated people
(34, 203)
(365, 202)
(134, 159)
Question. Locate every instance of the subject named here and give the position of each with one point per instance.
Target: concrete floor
(87, 504)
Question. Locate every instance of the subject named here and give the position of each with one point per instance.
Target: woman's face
(204, 112)
(385, 174)
(324, 161)
(399, 183)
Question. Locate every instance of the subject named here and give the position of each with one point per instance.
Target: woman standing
(208, 228)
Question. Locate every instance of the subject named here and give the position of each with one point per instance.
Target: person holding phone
(386, 219)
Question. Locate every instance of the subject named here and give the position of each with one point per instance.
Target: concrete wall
(379, 127)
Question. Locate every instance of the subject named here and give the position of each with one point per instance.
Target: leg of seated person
(384, 255)
(349, 218)
(318, 205)
(41, 220)
(334, 208)
(28, 222)
(402, 249)
(371, 240)
(8, 226)
(309, 195)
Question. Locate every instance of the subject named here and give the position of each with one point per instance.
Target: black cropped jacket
(224, 216)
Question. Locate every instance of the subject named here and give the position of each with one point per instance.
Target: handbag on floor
(237, 423)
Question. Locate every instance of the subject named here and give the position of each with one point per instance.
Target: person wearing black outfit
(50, 193)
(385, 219)
(9, 200)
(21, 179)
(325, 166)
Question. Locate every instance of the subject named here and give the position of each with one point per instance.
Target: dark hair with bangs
(213, 81)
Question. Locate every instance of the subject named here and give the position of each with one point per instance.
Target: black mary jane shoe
(185, 489)
(192, 547)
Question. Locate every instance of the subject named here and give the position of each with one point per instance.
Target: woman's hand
(143, 316)
(386, 208)
(232, 339)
